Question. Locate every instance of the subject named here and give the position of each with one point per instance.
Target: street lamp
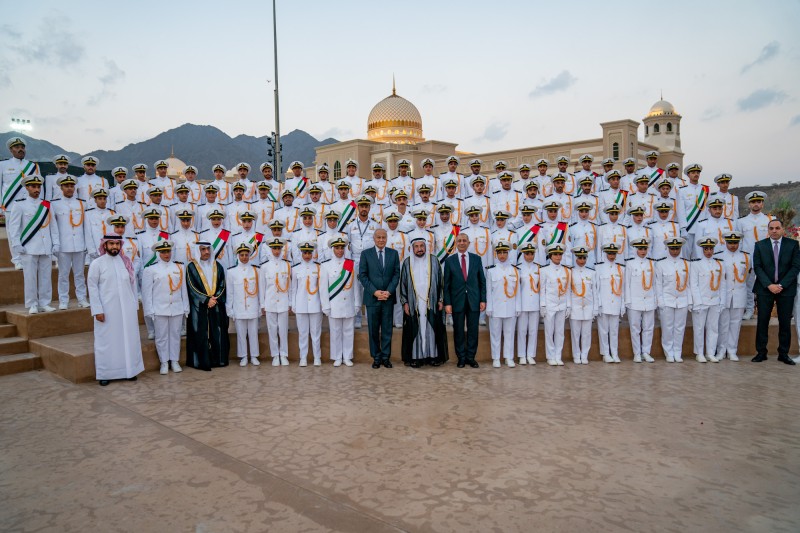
(277, 134)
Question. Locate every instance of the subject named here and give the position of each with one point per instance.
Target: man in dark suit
(465, 299)
(776, 263)
(379, 274)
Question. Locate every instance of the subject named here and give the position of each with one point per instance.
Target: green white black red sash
(654, 176)
(699, 204)
(301, 186)
(342, 280)
(162, 236)
(16, 184)
(448, 245)
(35, 223)
(347, 215)
(620, 198)
(559, 234)
(255, 241)
(219, 243)
(529, 235)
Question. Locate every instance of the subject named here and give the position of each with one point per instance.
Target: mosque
(394, 132)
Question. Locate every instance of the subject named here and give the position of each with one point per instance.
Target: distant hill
(202, 146)
(776, 194)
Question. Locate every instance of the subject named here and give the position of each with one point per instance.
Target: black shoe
(387, 364)
(376, 364)
(474, 364)
(461, 364)
(436, 363)
(104, 382)
(406, 363)
(415, 364)
(759, 358)
(134, 378)
(785, 359)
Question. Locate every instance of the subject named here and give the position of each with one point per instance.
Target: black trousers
(466, 344)
(379, 323)
(785, 304)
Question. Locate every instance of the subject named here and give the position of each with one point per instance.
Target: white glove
(543, 312)
(57, 249)
(151, 317)
(566, 313)
(622, 312)
(691, 308)
(518, 313)
(489, 314)
(19, 249)
(326, 311)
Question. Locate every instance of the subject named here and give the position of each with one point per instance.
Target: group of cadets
(555, 247)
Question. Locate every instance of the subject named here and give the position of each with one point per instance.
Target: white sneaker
(276, 361)
(648, 358)
(531, 361)
(670, 359)
(63, 306)
(608, 359)
(637, 358)
(551, 362)
(164, 369)
(584, 361)
(18, 266)
(616, 358)
(337, 363)
(559, 362)
(33, 310)
(303, 362)
(482, 322)
(151, 336)
(176, 367)
(358, 322)
(678, 358)
(510, 363)
(348, 362)
(243, 361)
(48, 308)
(496, 363)
(712, 358)
(747, 315)
(576, 361)
(733, 357)
(183, 333)
(254, 361)
(317, 362)
(796, 359)
(284, 360)
(83, 304)
(523, 361)
(700, 358)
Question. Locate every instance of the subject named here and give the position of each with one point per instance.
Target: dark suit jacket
(788, 266)
(374, 278)
(456, 290)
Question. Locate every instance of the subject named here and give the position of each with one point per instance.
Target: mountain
(202, 146)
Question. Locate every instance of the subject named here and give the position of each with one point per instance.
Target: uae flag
(341, 281)
(655, 175)
(255, 241)
(301, 186)
(449, 244)
(13, 188)
(697, 209)
(162, 236)
(559, 233)
(347, 215)
(529, 235)
(35, 224)
(219, 243)
(620, 198)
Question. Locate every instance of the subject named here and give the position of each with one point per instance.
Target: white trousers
(751, 298)
(341, 337)
(673, 326)
(36, 271)
(608, 331)
(730, 322)
(278, 333)
(309, 323)
(641, 324)
(168, 337)
(15, 257)
(501, 330)
(527, 333)
(246, 334)
(71, 262)
(705, 324)
(581, 335)
(554, 335)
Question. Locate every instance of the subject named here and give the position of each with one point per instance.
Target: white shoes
(616, 358)
(176, 367)
(747, 315)
(559, 362)
(337, 363)
(531, 361)
(608, 359)
(733, 357)
(551, 362)
(33, 310)
(700, 358)
(254, 361)
(576, 361)
(678, 358)
(243, 361)
(284, 360)
(510, 363)
(648, 358)
(83, 304)
(348, 362)
(164, 369)
(637, 358)
(584, 361)
(523, 361)
(63, 306)
(18, 266)
(496, 363)
(670, 359)
(712, 358)
(48, 308)
(276, 361)
(151, 336)
(317, 362)
(303, 362)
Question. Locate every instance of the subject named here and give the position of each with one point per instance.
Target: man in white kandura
(115, 308)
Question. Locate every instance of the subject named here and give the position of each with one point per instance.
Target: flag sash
(559, 233)
(620, 198)
(162, 236)
(341, 282)
(15, 186)
(300, 187)
(447, 245)
(347, 215)
(699, 205)
(657, 173)
(35, 223)
(219, 243)
(255, 241)
(529, 235)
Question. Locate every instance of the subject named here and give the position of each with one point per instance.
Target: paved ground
(593, 448)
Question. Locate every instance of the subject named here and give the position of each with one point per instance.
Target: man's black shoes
(785, 359)
(759, 358)
(387, 364)
(376, 364)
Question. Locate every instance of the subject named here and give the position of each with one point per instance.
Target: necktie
(380, 258)
(464, 266)
(775, 256)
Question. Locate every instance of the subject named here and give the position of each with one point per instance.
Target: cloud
(712, 113)
(795, 121)
(96, 131)
(335, 133)
(50, 47)
(768, 52)
(561, 82)
(761, 98)
(433, 88)
(113, 75)
(495, 131)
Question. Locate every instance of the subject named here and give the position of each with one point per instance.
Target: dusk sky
(487, 75)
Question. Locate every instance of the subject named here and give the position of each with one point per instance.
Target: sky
(486, 75)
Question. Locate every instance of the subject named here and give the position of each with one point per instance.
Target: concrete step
(19, 362)
(7, 330)
(5, 251)
(12, 345)
(14, 290)
(73, 320)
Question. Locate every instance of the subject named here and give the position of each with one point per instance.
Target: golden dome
(395, 120)
(662, 107)
(175, 166)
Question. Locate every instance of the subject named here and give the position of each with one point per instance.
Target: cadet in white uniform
(130, 207)
(503, 304)
(674, 300)
(714, 225)
(661, 230)
(305, 303)
(277, 277)
(641, 300)
(90, 181)
(554, 297)
(50, 188)
(69, 212)
(502, 233)
(553, 231)
(166, 302)
(737, 266)
(528, 319)
(609, 291)
(243, 304)
(184, 238)
(753, 227)
(612, 232)
(707, 281)
(360, 234)
(95, 224)
(584, 305)
(34, 237)
(692, 200)
(338, 298)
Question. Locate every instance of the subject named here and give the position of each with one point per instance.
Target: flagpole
(277, 147)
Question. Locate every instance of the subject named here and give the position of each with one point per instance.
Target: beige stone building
(394, 132)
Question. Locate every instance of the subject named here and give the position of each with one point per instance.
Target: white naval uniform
(34, 255)
(674, 300)
(167, 186)
(641, 300)
(340, 310)
(195, 192)
(646, 201)
(635, 232)
(174, 208)
(382, 196)
(612, 233)
(72, 248)
(201, 220)
(432, 182)
(554, 299)
(610, 293)
(51, 190)
(10, 169)
(484, 202)
(276, 281)
(662, 230)
(361, 235)
(397, 241)
(591, 199)
(86, 185)
(707, 281)
(509, 236)
(132, 210)
(165, 301)
(528, 320)
(328, 195)
(264, 211)
(610, 197)
(259, 251)
(503, 304)
(507, 200)
(243, 304)
(584, 233)
(405, 183)
(290, 216)
(184, 241)
(480, 242)
(688, 199)
(737, 267)
(463, 187)
(714, 228)
(224, 192)
(306, 305)
(356, 185)
(731, 207)
(94, 226)
(233, 214)
(584, 307)
(307, 234)
(565, 211)
(754, 229)
(548, 235)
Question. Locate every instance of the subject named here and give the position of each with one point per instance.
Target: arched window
(669, 127)
(655, 128)
(337, 170)
(646, 130)
(615, 151)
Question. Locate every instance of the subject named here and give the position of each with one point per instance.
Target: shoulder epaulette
(174, 232)
(659, 259)
(90, 209)
(590, 268)
(205, 230)
(434, 226)
(116, 203)
(572, 224)
(406, 232)
(140, 203)
(139, 232)
(485, 227)
(295, 264)
(717, 260)
(599, 262)
(746, 253)
(715, 253)
(693, 260)
(468, 197)
(56, 200)
(515, 266)
(23, 199)
(487, 268)
(630, 258)
(231, 268)
(256, 266)
(322, 262)
(178, 262)
(682, 186)
(565, 266)
(239, 233)
(601, 224)
(315, 262)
